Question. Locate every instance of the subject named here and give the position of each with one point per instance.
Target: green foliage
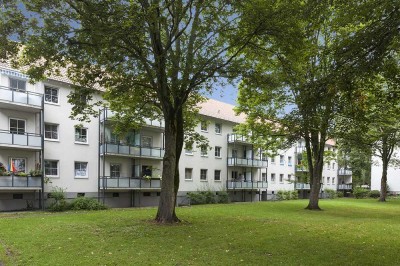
(287, 194)
(207, 197)
(59, 203)
(374, 194)
(83, 203)
(330, 193)
(360, 193)
(223, 197)
(340, 194)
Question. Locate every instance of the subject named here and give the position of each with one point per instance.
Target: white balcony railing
(20, 140)
(21, 97)
(232, 138)
(135, 151)
(246, 162)
(107, 182)
(20, 181)
(232, 184)
(345, 186)
(343, 171)
(302, 186)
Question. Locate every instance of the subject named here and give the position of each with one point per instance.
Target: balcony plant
(35, 173)
(23, 174)
(5, 173)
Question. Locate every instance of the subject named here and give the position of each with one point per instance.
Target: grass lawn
(355, 232)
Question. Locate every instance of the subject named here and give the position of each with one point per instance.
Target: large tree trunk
(383, 195)
(166, 206)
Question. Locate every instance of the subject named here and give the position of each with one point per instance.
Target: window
(51, 131)
(289, 177)
(17, 84)
(50, 95)
(333, 166)
(204, 126)
(289, 159)
(80, 195)
(272, 159)
(272, 178)
(264, 157)
(281, 159)
(81, 135)
(17, 126)
(188, 173)
(217, 175)
(281, 178)
(234, 153)
(19, 164)
(188, 152)
(218, 128)
(147, 170)
(115, 170)
(51, 168)
(217, 151)
(328, 165)
(204, 151)
(81, 170)
(203, 174)
(333, 180)
(328, 180)
(18, 196)
(264, 176)
(147, 141)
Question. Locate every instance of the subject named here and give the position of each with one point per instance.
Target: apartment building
(45, 150)
(393, 172)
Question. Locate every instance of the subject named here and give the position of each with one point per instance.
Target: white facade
(90, 160)
(393, 175)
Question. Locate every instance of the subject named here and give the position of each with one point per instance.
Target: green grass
(347, 232)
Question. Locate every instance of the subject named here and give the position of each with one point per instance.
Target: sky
(227, 94)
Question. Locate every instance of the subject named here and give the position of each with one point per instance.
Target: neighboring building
(393, 175)
(37, 136)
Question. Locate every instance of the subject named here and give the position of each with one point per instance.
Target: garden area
(347, 231)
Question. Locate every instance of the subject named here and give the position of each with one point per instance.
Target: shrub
(280, 195)
(82, 203)
(209, 196)
(59, 204)
(287, 194)
(340, 194)
(295, 194)
(223, 197)
(374, 194)
(196, 198)
(330, 193)
(360, 193)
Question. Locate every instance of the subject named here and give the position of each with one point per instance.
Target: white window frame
(203, 123)
(18, 80)
(80, 135)
(290, 161)
(111, 170)
(203, 151)
(218, 128)
(191, 174)
(333, 180)
(215, 175)
(328, 180)
(58, 170)
(282, 159)
(12, 160)
(87, 169)
(281, 176)
(51, 95)
(273, 178)
(273, 160)
(188, 152)
(18, 119)
(202, 174)
(144, 140)
(217, 152)
(51, 139)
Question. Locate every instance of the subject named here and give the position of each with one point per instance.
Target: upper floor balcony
(237, 138)
(301, 168)
(345, 187)
(301, 186)
(248, 185)
(132, 151)
(13, 182)
(246, 162)
(108, 182)
(25, 140)
(106, 114)
(20, 100)
(343, 171)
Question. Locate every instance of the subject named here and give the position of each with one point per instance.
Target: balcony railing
(246, 162)
(21, 97)
(233, 184)
(21, 140)
(302, 186)
(301, 169)
(13, 181)
(135, 151)
(343, 171)
(107, 114)
(345, 186)
(232, 138)
(107, 182)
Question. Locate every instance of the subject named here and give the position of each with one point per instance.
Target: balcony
(236, 138)
(343, 171)
(345, 187)
(19, 182)
(248, 185)
(20, 100)
(107, 182)
(107, 114)
(302, 186)
(27, 140)
(132, 151)
(300, 168)
(246, 162)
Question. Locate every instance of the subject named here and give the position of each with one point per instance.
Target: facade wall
(393, 174)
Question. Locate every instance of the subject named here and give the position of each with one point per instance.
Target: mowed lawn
(346, 232)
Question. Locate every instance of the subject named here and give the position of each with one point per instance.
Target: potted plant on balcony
(35, 173)
(22, 174)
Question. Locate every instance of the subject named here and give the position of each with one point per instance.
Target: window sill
(81, 177)
(190, 180)
(81, 143)
(203, 180)
(218, 133)
(206, 156)
(52, 140)
(53, 176)
(218, 157)
(189, 154)
(217, 180)
(51, 103)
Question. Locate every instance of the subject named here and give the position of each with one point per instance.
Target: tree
(293, 92)
(153, 58)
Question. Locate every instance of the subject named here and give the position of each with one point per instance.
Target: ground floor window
(203, 174)
(81, 169)
(51, 168)
(188, 173)
(217, 175)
